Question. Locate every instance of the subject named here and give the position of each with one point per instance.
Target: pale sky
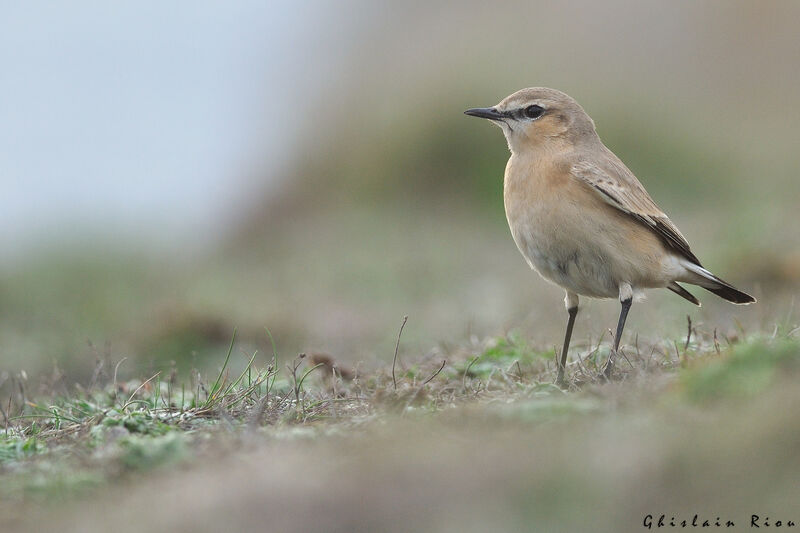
(143, 118)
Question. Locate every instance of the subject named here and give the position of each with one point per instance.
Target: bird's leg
(571, 302)
(625, 298)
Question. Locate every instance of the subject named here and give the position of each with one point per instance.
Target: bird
(580, 217)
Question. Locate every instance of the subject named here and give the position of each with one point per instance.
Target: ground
(471, 438)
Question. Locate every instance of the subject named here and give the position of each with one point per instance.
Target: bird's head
(539, 117)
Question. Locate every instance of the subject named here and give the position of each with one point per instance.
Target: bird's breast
(555, 225)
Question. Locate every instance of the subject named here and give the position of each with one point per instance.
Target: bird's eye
(533, 111)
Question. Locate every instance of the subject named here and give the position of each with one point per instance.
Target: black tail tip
(733, 295)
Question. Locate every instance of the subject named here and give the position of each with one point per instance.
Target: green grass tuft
(146, 453)
(747, 370)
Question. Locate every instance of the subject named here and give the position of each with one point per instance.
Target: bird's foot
(607, 373)
(560, 381)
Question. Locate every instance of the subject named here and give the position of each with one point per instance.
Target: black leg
(572, 311)
(623, 314)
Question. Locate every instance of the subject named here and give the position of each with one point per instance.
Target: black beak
(485, 112)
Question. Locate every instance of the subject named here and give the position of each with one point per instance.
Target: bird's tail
(703, 278)
(680, 291)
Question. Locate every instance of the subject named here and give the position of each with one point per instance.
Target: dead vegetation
(65, 446)
(474, 437)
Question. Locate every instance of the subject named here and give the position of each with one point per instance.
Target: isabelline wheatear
(581, 219)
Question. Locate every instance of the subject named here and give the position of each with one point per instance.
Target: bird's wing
(617, 186)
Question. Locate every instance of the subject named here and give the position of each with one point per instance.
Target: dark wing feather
(619, 187)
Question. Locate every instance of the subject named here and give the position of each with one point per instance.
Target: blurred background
(169, 173)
